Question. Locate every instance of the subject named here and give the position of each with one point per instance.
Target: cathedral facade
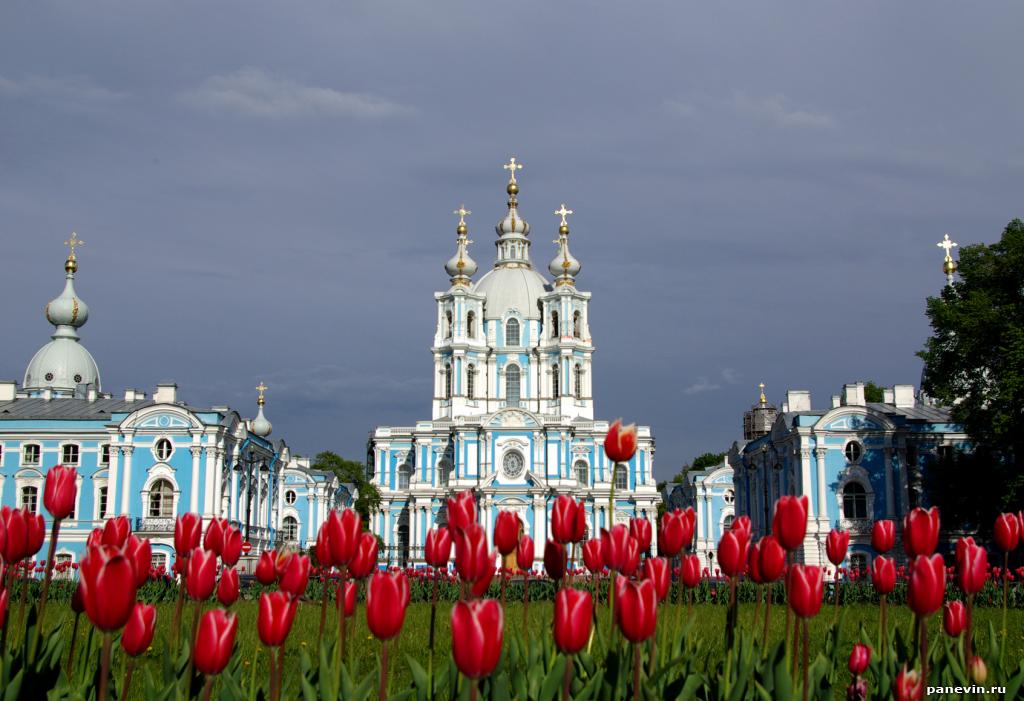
(148, 457)
(512, 407)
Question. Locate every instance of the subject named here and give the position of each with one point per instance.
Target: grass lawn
(707, 630)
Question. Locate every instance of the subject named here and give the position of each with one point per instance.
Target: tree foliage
(873, 392)
(974, 361)
(351, 472)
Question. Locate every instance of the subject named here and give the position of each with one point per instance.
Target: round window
(729, 497)
(854, 452)
(78, 378)
(289, 497)
(49, 377)
(163, 449)
(513, 464)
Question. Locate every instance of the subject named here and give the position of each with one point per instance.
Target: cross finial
(261, 388)
(763, 399)
(512, 167)
(947, 244)
(563, 212)
(73, 243)
(463, 213)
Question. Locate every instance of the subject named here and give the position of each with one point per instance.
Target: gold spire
(71, 264)
(763, 399)
(463, 213)
(261, 388)
(512, 167)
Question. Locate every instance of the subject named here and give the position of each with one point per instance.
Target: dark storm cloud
(265, 191)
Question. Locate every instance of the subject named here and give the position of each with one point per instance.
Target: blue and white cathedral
(150, 458)
(513, 407)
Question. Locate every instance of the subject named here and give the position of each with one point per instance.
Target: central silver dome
(512, 288)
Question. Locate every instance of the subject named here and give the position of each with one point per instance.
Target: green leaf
(553, 680)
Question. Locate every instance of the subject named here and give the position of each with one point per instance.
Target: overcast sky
(265, 190)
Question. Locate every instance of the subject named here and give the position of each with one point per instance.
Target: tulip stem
(323, 606)
(104, 666)
(969, 635)
(767, 618)
(1006, 582)
(807, 645)
(340, 647)
(430, 659)
(192, 643)
(74, 641)
(567, 678)
(207, 688)
(176, 624)
(611, 607)
(383, 692)
(923, 627)
(49, 573)
(526, 604)
(472, 690)
(26, 577)
(126, 687)
(636, 671)
(835, 617)
(883, 634)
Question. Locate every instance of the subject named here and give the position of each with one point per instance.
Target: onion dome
(260, 426)
(564, 267)
(461, 267)
(513, 244)
(63, 364)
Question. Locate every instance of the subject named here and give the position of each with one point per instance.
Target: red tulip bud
(921, 531)
(140, 553)
(266, 567)
(636, 608)
(296, 575)
(478, 629)
(525, 554)
(656, 569)
(387, 598)
(36, 532)
(108, 587)
(343, 535)
(227, 587)
(187, 532)
(860, 657)
(116, 531)
(232, 548)
(323, 548)
(439, 547)
(16, 534)
(620, 442)
(954, 618)
(215, 641)
(732, 554)
(202, 574)
(640, 529)
(138, 633)
(574, 611)
(1007, 532)
(675, 532)
(349, 598)
(555, 560)
(275, 617)
(214, 538)
(593, 556)
(971, 565)
(60, 491)
(836, 544)
(507, 528)
(926, 587)
(883, 574)
(364, 563)
(790, 522)
(691, 571)
(461, 511)
(568, 520)
(805, 587)
(909, 685)
(883, 536)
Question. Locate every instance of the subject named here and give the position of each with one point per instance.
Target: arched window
(69, 454)
(290, 497)
(163, 450)
(444, 473)
(101, 504)
(859, 562)
(554, 324)
(855, 501)
(30, 498)
(577, 380)
(621, 477)
(729, 496)
(448, 324)
(512, 332)
(404, 476)
(581, 472)
(448, 381)
(471, 325)
(290, 529)
(577, 325)
(556, 382)
(470, 381)
(30, 454)
(161, 499)
(512, 385)
(727, 522)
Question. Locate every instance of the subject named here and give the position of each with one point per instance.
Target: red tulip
(909, 685)
(78, 599)
(615, 547)
(805, 587)
(214, 538)
(343, 535)
(232, 548)
(574, 612)
(593, 556)
(926, 587)
(138, 633)
(921, 532)
(656, 569)
(4, 596)
(387, 597)
(140, 553)
(227, 587)
(771, 558)
(116, 531)
(439, 547)
(323, 548)
(835, 546)
(860, 657)
(883, 536)
(977, 669)
(790, 522)
(215, 640)
(60, 491)
(108, 587)
(971, 565)
(365, 561)
(568, 520)
(620, 442)
(732, 554)
(16, 532)
(473, 560)
(555, 560)
(266, 567)
(295, 577)
(187, 531)
(275, 617)
(525, 554)
(954, 618)
(741, 526)
(675, 532)
(507, 527)
(640, 529)
(690, 571)
(636, 608)
(201, 579)
(461, 510)
(36, 528)
(349, 598)
(1007, 532)
(883, 574)
(478, 629)
(94, 539)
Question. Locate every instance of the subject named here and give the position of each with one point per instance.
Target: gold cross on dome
(761, 387)
(261, 388)
(563, 212)
(463, 213)
(73, 243)
(512, 167)
(947, 244)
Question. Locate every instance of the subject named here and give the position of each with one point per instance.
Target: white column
(702, 531)
(126, 485)
(115, 459)
(819, 455)
(889, 510)
(312, 515)
(213, 468)
(489, 515)
(233, 505)
(280, 501)
(539, 520)
(805, 479)
(193, 502)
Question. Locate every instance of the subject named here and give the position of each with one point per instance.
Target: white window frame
(519, 384)
(39, 455)
(156, 449)
(78, 454)
(581, 466)
(518, 335)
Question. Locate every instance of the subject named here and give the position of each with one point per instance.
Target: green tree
(701, 462)
(873, 392)
(974, 361)
(354, 473)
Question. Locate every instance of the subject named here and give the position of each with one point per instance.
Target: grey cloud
(78, 90)
(701, 386)
(778, 110)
